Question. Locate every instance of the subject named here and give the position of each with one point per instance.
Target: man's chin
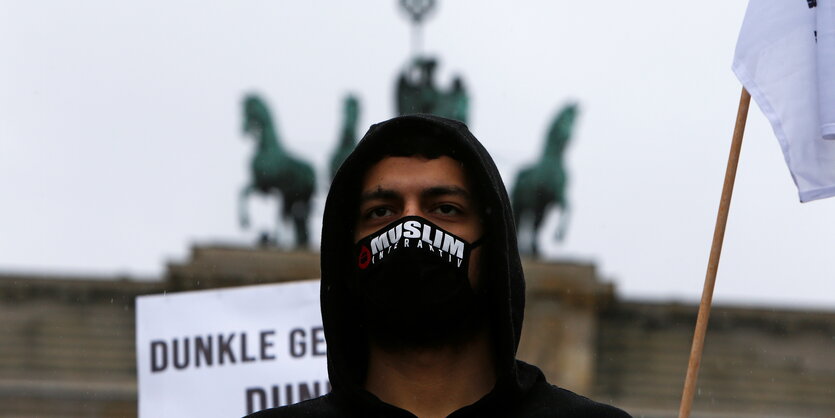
(402, 337)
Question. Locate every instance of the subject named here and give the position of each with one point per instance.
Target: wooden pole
(713, 262)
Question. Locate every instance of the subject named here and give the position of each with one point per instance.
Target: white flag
(785, 57)
(825, 30)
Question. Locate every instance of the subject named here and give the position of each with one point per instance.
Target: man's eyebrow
(379, 193)
(438, 191)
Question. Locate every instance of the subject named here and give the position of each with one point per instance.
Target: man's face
(435, 189)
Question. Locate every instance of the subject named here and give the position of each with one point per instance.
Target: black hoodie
(521, 389)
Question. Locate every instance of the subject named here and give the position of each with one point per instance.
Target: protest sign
(229, 352)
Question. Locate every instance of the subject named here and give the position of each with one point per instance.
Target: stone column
(560, 329)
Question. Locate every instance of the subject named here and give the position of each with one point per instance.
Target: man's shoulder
(545, 399)
(315, 408)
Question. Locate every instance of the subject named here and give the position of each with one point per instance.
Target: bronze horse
(542, 185)
(273, 170)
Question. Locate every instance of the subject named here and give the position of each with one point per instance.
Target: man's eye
(447, 210)
(379, 212)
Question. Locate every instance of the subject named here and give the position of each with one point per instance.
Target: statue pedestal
(560, 330)
(211, 267)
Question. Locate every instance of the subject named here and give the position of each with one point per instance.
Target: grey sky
(121, 144)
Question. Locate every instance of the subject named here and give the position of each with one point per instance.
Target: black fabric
(539, 400)
(521, 389)
(412, 277)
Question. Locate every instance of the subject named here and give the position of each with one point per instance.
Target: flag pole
(713, 262)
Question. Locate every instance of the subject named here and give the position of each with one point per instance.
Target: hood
(501, 272)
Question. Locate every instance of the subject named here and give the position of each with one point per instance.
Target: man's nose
(412, 208)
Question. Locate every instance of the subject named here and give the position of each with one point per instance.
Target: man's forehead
(425, 192)
(415, 173)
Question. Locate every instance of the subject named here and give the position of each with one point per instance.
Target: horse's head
(562, 126)
(256, 115)
(565, 119)
(560, 131)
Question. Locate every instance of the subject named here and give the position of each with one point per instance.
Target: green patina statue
(417, 93)
(273, 170)
(541, 185)
(348, 134)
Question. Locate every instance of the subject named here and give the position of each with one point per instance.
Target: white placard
(225, 353)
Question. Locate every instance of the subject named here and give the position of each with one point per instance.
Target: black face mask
(412, 277)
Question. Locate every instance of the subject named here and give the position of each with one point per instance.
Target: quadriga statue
(416, 92)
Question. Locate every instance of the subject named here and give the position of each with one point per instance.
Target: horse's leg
(518, 210)
(284, 204)
(243, 211)
(301, 210)
(538, 216)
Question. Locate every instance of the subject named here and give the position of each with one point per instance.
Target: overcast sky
(121, 142)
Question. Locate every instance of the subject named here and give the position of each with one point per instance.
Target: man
(422, 287)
